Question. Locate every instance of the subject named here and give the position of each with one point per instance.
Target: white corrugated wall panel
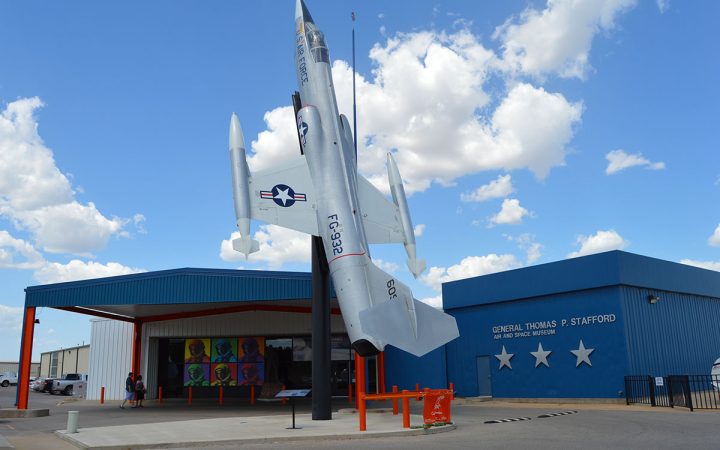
(252, 323)
(110, 358)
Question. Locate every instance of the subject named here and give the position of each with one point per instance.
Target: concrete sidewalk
(241, 430)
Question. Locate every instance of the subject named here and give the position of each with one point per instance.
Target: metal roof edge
(257, 274)
(587, 272)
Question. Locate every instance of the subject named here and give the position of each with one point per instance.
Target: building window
(53, 364)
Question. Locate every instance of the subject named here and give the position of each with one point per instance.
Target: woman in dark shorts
(139, 392)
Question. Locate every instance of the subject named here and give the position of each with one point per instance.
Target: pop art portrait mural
(224, 350)
(252, 350)
(223, 374)
(197, 350)
(197, 375)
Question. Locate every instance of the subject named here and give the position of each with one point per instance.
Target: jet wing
(381, 217)
(285, 196)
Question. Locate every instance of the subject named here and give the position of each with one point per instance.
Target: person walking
(139, 392)
(129, 390)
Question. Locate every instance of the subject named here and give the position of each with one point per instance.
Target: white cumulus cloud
(10, 320)
(435, 302)
(510, 213)
(37, 197)
(714, 240)
(557, 39)
(75, 270)
(419, 229)
(387, 266)
(602, 241)
(619, 160)
(12, 248)
(526, 242)
(277, 246)
(498, 188)
(471, 266)
(710, 265)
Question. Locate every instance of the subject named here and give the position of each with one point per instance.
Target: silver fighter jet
(322, 194)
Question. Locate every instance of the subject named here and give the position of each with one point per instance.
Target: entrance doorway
(484, 376)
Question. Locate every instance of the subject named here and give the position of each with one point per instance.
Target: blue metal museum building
(568, 329)
(574, 328)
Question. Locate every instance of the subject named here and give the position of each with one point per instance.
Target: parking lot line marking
(517, 419)
(564, 413)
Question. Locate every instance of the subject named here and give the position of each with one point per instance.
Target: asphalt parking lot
(592, 427)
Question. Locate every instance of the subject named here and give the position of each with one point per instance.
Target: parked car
(66, 384)
(8, 378)
(47, 386)
(37, 384)
(715, 374)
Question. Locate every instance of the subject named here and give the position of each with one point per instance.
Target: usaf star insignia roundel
(283, 195)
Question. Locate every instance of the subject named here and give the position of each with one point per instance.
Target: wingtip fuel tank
(241, 189)
(416, 266)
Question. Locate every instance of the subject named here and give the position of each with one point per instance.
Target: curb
(12, 413)
(262, 440)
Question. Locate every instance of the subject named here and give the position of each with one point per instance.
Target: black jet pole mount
(321, 392)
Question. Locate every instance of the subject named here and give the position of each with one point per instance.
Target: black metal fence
(688, 391)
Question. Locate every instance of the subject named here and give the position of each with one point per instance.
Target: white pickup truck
(68, 383)
(8, 378)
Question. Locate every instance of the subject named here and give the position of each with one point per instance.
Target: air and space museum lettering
(548, 327)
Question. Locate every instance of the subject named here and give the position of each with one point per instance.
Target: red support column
(359, 378)
(25, 357)
(381, 371)
(136, 348)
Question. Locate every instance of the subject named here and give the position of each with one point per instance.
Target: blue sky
(527, 132)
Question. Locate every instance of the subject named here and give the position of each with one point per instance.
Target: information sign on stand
(292, 394)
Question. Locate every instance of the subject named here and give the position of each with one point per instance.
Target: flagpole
(354, 102)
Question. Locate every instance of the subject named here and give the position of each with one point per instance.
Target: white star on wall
(541, 356)
(582, 354)
(505, 358)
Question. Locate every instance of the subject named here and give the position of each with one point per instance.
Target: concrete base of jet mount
(12, 413)
(244, 430)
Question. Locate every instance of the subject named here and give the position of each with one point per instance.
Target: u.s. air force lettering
(548, 327)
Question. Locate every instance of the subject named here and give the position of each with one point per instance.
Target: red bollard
(395, 401)
(252, 394)
(221, 396)
(102, 395)
(190, 395)
(362, 411)
(350, 395)
(417, 389)
(452, 391)
(284, 400)
(160, 394)
(406, 411)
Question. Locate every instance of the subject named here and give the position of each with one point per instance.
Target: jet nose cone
(236, 134)
(299, 5)
(302, 12)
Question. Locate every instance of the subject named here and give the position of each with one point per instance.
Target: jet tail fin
(388, 322)
(396, 318)
(245, 245)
